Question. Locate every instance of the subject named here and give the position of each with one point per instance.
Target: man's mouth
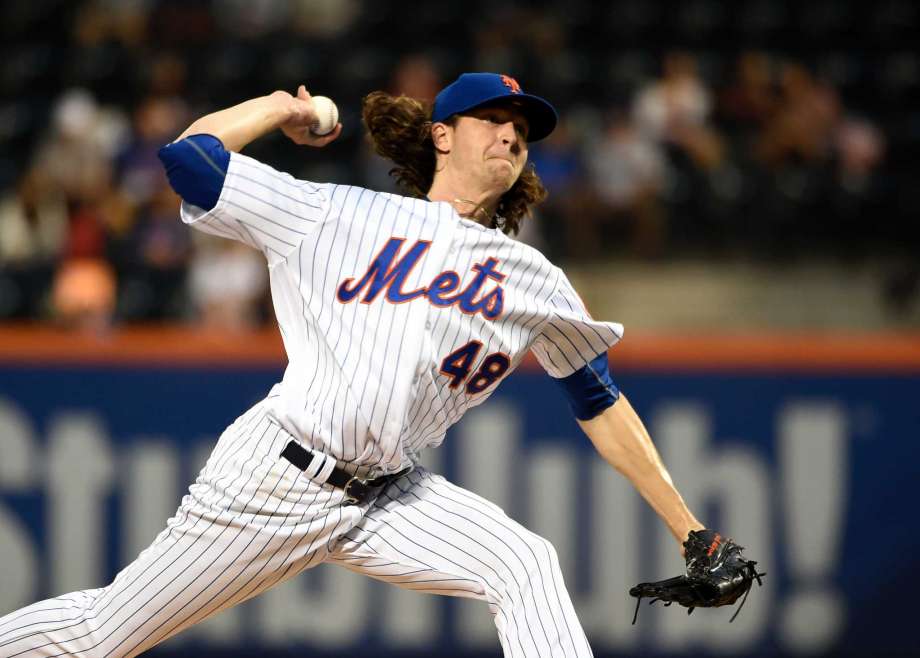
(502, 158)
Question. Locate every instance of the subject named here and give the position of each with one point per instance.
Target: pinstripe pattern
(363, 382)
(426, 534)
(249, 522)
(364, 385)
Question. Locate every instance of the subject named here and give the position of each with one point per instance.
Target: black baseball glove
(717, 574)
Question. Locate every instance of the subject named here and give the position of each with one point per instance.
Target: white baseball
(327, 115)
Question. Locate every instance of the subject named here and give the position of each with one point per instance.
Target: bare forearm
(622, 440)
(241, 124)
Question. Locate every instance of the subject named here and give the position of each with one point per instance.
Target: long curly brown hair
(400, 129)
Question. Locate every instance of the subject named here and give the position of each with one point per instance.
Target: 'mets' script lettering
(388, 272)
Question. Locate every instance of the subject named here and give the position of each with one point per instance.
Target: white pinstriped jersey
(397, 314)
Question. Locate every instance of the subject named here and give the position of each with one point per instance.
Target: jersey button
(428, 324)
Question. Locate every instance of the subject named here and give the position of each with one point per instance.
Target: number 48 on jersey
(458, 364)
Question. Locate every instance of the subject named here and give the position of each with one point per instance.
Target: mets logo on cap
(512, 84)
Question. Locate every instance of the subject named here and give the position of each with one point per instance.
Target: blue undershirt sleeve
(590, 389)
(196, 167)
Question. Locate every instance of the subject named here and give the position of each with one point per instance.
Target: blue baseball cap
(472, 90)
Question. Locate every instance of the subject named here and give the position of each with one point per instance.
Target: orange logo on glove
(715, 545)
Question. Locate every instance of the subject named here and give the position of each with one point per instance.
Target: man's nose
(509, 135)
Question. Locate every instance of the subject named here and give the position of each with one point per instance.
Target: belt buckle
(354, 498)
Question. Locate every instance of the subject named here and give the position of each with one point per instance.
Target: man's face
(489, 144)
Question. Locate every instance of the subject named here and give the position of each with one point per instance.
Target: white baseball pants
(252, 520)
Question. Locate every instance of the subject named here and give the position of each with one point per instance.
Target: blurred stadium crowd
(765, 130)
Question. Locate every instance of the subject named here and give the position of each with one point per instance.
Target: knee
(545, 550)
(86, 630)
(68, 622)
(532, 566)
(101, 623)
(541, 561)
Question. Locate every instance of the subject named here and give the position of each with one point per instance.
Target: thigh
(429, 535)
(405, 540)
(423, 520)
(245, 526)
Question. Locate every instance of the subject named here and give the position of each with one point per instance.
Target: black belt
(357, 490)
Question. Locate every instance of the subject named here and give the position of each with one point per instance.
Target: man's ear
(442, 136)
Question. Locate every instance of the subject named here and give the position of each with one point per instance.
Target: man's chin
(503, 176)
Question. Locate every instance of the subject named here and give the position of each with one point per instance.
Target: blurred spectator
(76, 161)
(162, 241)
(62, 201)
(227, 282)
(86, 234)
(33, 222)
(805, 122)
(154, 260)
(751, 100)
(33, 229)
(675, 111)
(860, 147)
(797, 146)
(76, 154)
(781, 167)
(157, 121)
(84, 294)
(854, 188)
(559, 219)
(676, 100)
(147, 244)
(628, 172)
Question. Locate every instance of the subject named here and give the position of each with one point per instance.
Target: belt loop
(326, 470)
(320, 467)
